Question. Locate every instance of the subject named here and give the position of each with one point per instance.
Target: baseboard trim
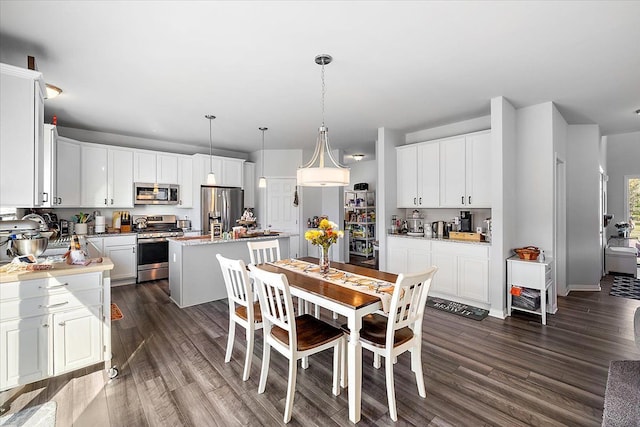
(584, 288)
(498, 313)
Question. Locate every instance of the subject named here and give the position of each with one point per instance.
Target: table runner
(368, 285)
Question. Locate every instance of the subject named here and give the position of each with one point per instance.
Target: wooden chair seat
(241, 311)
(311, 333)
(374, 331)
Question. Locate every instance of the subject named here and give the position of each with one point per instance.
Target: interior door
(281, 214)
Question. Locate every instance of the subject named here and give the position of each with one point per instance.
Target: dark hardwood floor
(495, 372)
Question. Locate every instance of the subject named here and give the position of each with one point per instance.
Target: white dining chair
(243, 309)
(389, 336)
(292, 336)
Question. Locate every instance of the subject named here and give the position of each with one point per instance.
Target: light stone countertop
(206, 240)
(436, 239)
(59, 269)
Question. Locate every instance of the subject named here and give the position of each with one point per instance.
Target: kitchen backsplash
(431, 215)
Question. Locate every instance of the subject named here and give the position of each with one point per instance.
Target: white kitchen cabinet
(77, 339)
(405, 255)
(445, 280)
(25, 350)
(473, 277)
(229, 172)
(249, 185)
(122, 252)
(465, 171)
(185, 181)
(166, 168)
(232, 172)
(107, 176)
(155, 167)
(66, 189)
(21, 137)
(51, 325)
(418, 175)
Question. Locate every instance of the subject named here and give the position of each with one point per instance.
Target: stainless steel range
(153, 246)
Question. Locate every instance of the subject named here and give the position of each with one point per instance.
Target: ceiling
(153, 69)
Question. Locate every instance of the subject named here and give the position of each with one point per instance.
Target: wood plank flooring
(512, 372)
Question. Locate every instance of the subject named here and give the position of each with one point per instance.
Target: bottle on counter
(541, 257)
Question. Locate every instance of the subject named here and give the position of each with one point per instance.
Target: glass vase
(324, 260)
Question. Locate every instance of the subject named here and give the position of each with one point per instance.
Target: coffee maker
(466, 223)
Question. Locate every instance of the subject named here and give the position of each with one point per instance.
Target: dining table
(343, 300)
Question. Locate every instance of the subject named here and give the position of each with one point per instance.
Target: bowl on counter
(35, 246)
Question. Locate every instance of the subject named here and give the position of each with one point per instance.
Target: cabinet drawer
(528, 275)
(49, 304)
(120, 240)
(49, 286)
(462, 249)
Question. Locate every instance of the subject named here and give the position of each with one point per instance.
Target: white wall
(559, 225)
(363, 171)
(583, 199)
(623, 159)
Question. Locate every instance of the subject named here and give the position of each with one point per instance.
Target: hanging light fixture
(262, 181)
(211, 177)
(315, 173)
(358, 157)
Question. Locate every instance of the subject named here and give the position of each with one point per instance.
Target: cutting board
(459, 235)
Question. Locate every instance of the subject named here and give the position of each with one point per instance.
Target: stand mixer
(22, 237)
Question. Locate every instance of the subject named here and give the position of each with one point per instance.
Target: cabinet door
(428, 156)
(49, 165)
(206, 164)
(232, 172)
(445, 280)
(24, 345)
(185, 180)
(94, 167)
(120, 178)
(38, 114)
(417, 260)
(124, 260)
(249, 185)
(407, 167)
(452, 173)
(473, 278)
(478, 175)
(166, 169)
(95, 247)
(144, 167)
(66, 189)
(77, 339)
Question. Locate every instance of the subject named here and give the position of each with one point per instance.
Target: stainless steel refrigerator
(220, 204)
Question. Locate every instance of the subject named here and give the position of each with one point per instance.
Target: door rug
(116, 313)
(36, 416)
(457, 308)
(625, 287)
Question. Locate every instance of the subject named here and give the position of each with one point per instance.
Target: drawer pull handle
(60, 304)
(61, 323)
(46, 325)
(54, 287)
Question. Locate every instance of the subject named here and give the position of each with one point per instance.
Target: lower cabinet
(463, 268)
(51, 326)
(122, 252)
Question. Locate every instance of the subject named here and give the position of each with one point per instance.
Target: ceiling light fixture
(211, 177)
(638, 112)
(52, 91)
(357, 157)
(262, 181)
(315, 173)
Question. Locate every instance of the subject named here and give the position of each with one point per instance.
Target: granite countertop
(437, 239)
(59, 269)
(206, 240)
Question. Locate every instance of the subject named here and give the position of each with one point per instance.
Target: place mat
(116, 313)
(457, 308)
(364, 284)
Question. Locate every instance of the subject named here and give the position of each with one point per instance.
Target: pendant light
(211, 177)
(262, 181)
(315, 173)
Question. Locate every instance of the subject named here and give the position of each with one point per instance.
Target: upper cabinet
(229, 172)
(446, 173)
(61, 172)
(249, 181)
(152, 167)
(185, 180)
(21, 137)
(418, 177)
(107, 176)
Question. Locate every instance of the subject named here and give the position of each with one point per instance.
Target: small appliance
(156, 194)
(465, 221)
(438, 228)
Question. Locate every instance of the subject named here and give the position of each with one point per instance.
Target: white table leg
(355, 368)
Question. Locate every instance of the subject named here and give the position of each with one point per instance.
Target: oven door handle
(153, 240)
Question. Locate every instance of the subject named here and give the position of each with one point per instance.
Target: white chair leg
(264, 371)
(337, 374)
(391, 392)
(416, 366)
(305, 362)
(247, 360)
(343, 363)
(232, 333)
(291, 389)
(376, 360)
(395, 359)
(335, 316)
(301, 306)
(316, 311)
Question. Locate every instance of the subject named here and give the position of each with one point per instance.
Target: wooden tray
(459, 235)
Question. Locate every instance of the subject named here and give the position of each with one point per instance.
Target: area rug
(116, 313)
(457, 308)
(36, 416)
(622, 397)
(625, 287)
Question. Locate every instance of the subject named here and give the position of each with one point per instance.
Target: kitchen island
(54, 321)
(194, 272)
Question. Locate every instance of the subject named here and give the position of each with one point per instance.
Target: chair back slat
(275, 300)
(408, 302)
(264, 251)
(236, 280)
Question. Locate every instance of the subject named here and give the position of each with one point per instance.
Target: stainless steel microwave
(156, 194)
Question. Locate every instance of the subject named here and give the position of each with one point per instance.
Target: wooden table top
(340, 294)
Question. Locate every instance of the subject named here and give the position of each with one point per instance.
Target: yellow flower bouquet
(326, 235)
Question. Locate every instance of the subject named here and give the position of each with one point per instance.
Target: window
(633, 204)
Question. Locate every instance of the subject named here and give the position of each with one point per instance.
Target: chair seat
(241, 311)
(311, 333)
(374, 331)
